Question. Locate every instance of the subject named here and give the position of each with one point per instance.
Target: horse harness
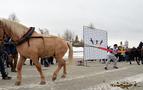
(27, 36)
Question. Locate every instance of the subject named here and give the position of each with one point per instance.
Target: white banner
(94, 38)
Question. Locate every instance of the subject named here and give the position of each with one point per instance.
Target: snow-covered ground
(77, 52)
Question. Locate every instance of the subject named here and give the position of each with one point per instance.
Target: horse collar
(26, 36)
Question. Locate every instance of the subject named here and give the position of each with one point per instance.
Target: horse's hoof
(18, 83)
(54, 78)
(63, 76)
(42, 83)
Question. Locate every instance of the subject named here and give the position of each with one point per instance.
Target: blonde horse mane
(15, 27)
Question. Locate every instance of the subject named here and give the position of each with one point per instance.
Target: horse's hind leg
(15, 57)
(130, 59)
(64, 70)
(19, 69)
(60, 64)
(15, 61)
(10, 62)
(12, 65)
(142, 60)
(38, 66)
(137, 60)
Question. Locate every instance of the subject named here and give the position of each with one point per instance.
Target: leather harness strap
(26, 36)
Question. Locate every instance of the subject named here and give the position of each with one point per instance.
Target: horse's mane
(18, 28)
(14, 26)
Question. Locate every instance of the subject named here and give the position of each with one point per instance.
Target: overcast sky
(122, 19)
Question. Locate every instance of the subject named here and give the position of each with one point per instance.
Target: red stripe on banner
(108, 50)
(105, 49)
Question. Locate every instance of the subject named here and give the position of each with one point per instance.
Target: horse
(140, 52)
(132, 55)
(32, 45)
(136, 53)
(142, 55)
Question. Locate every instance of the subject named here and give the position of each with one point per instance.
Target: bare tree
(13, 17)
(82, 43)
(44, 31)
(41, 31)
(68, 35)
(91, 26)
(76, 38)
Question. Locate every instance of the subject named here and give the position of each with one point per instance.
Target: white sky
(122, 19)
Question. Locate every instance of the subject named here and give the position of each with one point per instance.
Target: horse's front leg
(137, 60)
(19, 70)
(39, 69)
(15, 61)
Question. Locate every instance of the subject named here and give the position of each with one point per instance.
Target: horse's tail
(70, 56)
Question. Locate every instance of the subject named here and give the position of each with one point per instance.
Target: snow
(77, 52)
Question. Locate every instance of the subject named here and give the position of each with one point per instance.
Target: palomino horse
(37, 46)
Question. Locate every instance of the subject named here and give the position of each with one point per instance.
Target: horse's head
(140, 45)
(12, 29)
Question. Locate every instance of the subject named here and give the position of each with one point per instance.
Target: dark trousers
(31, 63)
(2, 68)
(44, 62)
(50, 59)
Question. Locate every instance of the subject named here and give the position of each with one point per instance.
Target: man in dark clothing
(10, 48)
(3, 56)
(46, 62)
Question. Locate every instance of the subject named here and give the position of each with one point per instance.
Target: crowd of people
(46, 61)
(120, 53)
